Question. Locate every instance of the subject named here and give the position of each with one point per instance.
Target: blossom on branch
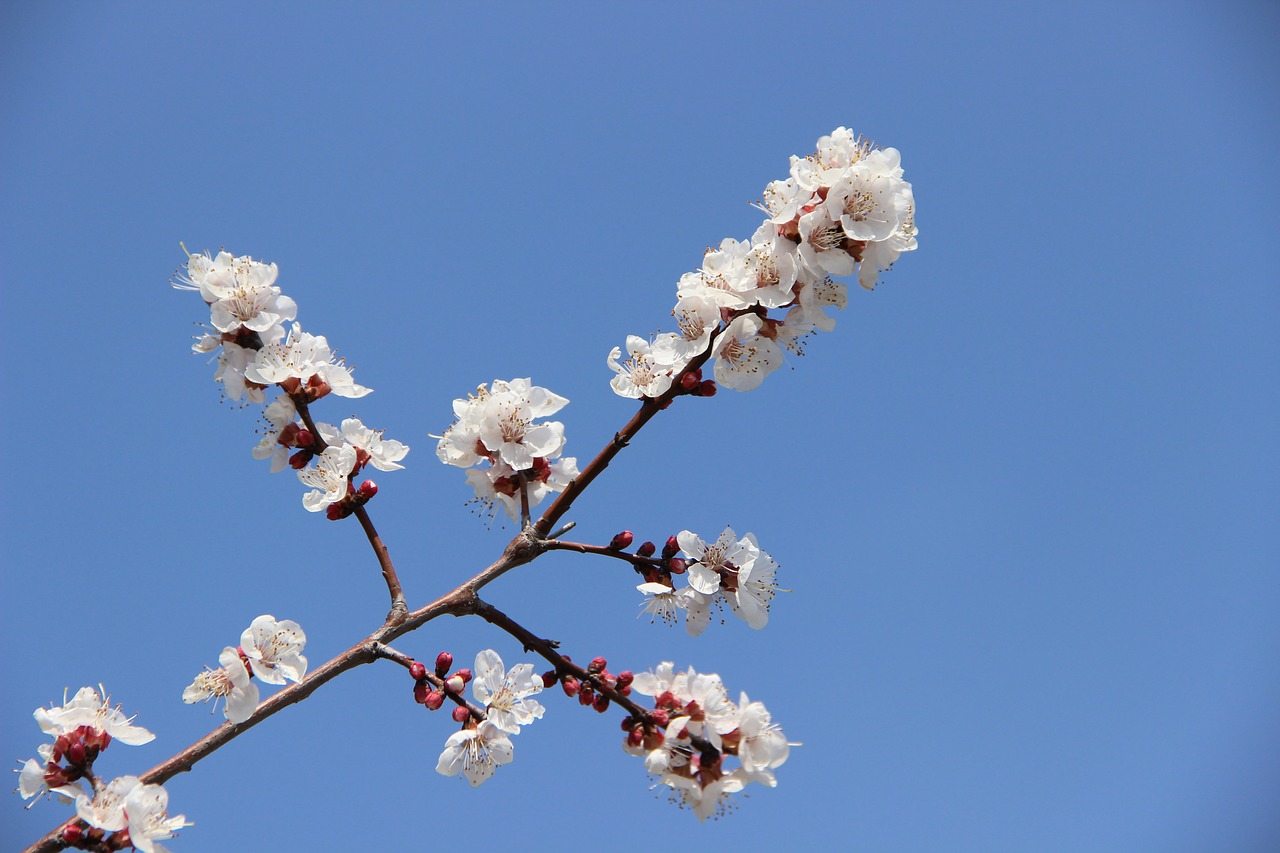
(230, 683)
(274, 649)
(475, 753)
(504, 694)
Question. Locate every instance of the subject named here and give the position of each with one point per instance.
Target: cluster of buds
(431, 689)
(593, 691)
(844, 206)
(519, 457)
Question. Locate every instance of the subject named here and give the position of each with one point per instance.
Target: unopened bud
(635, 737)
(628, 723)
(670, 549)
(299, 460)
(417, 670)
(72, 833)
(597, 665)
(460, 714)
(454, 684)
(434, 700)
(444, 662)
(707, 388)
(621, 540)
(608, 680)
(548, 679)
(586, 695)
(465, 675)
(601, 704)
(660, 717)
(626, 677)
(304, 438)
(625, 689)
(367, 490)
(691, 380)
(76, 753)
(646, 549)
(570, 685)
(421, 690)
(677, 566)
(335, 511)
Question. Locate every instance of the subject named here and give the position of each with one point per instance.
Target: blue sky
(1025, 494)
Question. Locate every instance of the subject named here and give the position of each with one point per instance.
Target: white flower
(697, 317)
(744, 357)
(751, 589)
(503, 693)
(33, 779)
(762, 745)
(274, 649)
(645, 373)
(279, 414)
(384, 453)
(706, 801)
(727, 554)
(475, 753)
(328, 475)
(230, 683)
(89, 708)
(147, 810)
(106, 809)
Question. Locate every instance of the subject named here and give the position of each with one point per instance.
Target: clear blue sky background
(1026, 495)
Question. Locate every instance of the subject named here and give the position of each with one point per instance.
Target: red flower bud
(72, 833)
(660, 717)
(626, 677)
(570, 685)
(444, 661)
(597, 665)
(646, 549)
(461, 714)
(625, 689)
(465, 675)
(454, 684)
(304, 438)
(435, 699)
(689, 381)
(299, 460)
(628, 723)
(621, 540)
(707, 388)
(335, 511)
(76, 753)
(548, 678)
(417, 670)
(586, 695)
(601, 704)
(670, 549)
(420, 691)
(635, 737)
(367, 490)
(677, 566)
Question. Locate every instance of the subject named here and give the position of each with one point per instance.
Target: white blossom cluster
(497, 429)
(268, 649)
(697, 705)
(478, 749)
(254, 352)
(81, 729)
(729, 571)
(843, 207)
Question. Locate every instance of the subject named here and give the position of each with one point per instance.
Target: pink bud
(626, 677)
(625, 689)
(367, 490)
(586, 695)
(72, 833)
(570, 685)
(461, 714)
(670, 549)
(635, 737)
(454, 684)
(628, 723)
(597, 665)
(689, 381)
(548, 679)
(621, 540)
(305, 438)
(646, 549)
(677, 566)
(435, 699)
(420, 691)
(299, 460)
(417, 670)
(76, 753)
(707, 388)
(334, 511)
(465, 675)
(601, 704)
(660, 717)
(444, 661)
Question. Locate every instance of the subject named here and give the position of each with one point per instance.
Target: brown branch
(385, 651)
(635, 560)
